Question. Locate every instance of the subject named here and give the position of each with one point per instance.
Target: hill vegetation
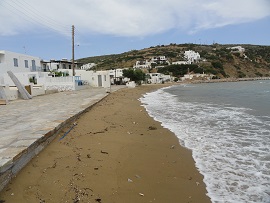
(216, 59)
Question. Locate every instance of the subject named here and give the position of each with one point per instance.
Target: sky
(43, 28)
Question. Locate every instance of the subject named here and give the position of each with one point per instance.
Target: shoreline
(226, 80)
(116, 152)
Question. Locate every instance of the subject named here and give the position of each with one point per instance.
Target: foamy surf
(229, 144)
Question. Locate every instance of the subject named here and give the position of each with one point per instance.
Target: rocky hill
(216, 59)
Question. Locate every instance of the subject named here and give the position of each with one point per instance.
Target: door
(99, 81)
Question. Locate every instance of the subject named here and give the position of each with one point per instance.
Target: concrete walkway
(27, 126)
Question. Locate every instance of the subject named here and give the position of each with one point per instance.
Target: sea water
(227, 127)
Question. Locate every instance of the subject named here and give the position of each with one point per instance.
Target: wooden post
(73, 32)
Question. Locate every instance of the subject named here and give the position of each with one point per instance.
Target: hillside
(218, 60)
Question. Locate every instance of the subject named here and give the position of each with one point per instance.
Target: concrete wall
(12, 92)
(131, 84)
(37, 90)
(60, 83)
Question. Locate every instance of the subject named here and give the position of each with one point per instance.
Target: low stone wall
(10, 168)
(12, 93)
(37, 90)
(61, 87)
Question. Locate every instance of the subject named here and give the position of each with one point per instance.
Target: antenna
(24, 49)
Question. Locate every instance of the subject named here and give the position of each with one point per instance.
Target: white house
(192, 56)
(116, 73)
(237, 49)
(88, 66)
(92, 78)
(142, 64)
(17, 63)
(25, 67)
(57, 64)
(179, 63)
(159, 60)
(147, 63)
(155, 78)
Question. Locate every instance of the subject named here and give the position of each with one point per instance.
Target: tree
(134, 75)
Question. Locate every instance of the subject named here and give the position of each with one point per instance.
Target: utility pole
(73, 32)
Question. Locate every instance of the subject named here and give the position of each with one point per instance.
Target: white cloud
(229, 12)
(127, 17)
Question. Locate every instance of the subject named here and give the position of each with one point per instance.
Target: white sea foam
(229, 145)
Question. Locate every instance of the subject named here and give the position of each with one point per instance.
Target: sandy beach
(113, 153)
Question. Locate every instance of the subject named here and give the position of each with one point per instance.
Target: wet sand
(115, 153)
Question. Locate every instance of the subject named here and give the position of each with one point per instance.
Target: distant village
(42, 77)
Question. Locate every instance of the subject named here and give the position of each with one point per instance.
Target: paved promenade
(26, 125)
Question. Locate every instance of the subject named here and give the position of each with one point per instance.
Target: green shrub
(241, 74)
(217, 64)
(258, 74)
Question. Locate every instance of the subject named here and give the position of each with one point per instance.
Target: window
(64, 66)
(15, 60)
(34, 65)
(26, 64)
(104, 77)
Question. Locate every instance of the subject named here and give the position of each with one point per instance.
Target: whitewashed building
(156, 78)
(238, 49)
(17, 63)
(159, 60)
(27, 70)
(179, 63)
(25, 67)
(57, 64)
(192, 56)
(92, 78)
(142, 64)
(88, 66)
(116, 73)
(145, 64)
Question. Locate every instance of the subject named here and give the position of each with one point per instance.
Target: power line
(33, 19)
(39, 15)
(29, 14)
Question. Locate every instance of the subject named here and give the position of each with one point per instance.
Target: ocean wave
(229, 145)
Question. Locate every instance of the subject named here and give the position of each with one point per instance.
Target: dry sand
(115, 154)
